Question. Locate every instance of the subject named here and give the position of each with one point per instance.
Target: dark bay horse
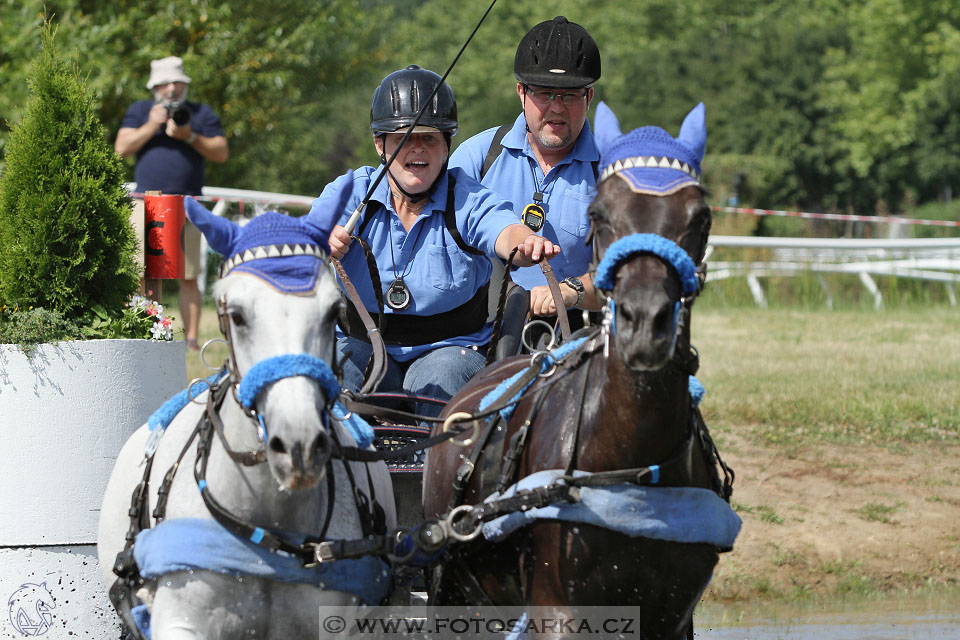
(614, 407)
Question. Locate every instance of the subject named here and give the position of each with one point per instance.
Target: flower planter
(65, 412)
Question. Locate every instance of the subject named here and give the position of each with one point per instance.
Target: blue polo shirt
(439, 275)
(568, 189)
(167, 164)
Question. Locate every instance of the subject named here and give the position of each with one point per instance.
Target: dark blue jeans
(436, 374)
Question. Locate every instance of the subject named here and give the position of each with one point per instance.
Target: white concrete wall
(64, 414)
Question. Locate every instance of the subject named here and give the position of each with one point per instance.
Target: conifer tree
(66, 242)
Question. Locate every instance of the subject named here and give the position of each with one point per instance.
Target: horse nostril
(277, 446)
(663, 321)
(320, 450)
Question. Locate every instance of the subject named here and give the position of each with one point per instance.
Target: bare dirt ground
(828, 521)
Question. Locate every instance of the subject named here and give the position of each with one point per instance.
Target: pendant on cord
(533, 216)
(398, 296)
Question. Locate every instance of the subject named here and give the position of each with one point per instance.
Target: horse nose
(648, 319)
(663, 322)
(321, 449)
(302, 459)
(645, 330)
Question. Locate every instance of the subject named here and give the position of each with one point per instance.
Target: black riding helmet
(398, 100)
(557, 54)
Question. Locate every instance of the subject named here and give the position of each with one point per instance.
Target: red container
(163, 237)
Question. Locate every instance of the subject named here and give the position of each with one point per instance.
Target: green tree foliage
(66, 243)
(822, 104)
(288, 78)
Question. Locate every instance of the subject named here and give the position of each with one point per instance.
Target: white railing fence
(931, 259)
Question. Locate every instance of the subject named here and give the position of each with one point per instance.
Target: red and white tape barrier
(838, 216)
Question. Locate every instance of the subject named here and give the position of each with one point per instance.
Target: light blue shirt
(439, 275)
(568, 188)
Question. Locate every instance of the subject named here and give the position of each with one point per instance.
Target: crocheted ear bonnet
(649, 159)
(285, 252)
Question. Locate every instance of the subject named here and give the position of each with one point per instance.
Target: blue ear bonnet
(287, 253)
(649, 159)
(283, 251)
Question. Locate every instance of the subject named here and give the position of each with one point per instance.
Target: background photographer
(173, 138)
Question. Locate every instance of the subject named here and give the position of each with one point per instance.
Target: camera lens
(179, 112)
(181, 116)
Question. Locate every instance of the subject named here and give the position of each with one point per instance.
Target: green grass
(789, 377)
(876, 512)
(763, 512)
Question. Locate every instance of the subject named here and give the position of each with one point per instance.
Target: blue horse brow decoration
(257, 247)
(649, 159)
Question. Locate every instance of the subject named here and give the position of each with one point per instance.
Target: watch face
(533, 216)
(398, 296)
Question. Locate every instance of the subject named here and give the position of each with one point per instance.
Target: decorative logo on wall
(29, 609)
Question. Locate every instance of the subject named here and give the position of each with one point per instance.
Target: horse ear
(606, 127)
(324, 219)
(693, 131)
(220, 233)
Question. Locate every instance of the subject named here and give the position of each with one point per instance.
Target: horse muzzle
(299, 464)
(294, 391)
(648, 309)
(648, 324)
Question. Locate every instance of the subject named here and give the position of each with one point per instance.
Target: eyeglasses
(543, 97)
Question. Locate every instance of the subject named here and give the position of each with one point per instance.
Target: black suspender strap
(450, 220)
(494, 151)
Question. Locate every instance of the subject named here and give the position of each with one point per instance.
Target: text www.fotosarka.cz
(477, 622)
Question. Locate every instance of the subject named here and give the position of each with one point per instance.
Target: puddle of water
(909, 618)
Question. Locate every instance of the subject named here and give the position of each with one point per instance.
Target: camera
(179, 112)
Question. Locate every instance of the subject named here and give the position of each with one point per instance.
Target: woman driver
(434, 283)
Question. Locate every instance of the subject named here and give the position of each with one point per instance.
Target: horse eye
(237, 318)
(594, 213)
(332, 312)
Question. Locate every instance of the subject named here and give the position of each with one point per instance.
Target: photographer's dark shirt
(167, 164)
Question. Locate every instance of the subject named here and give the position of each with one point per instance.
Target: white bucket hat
(164, 70)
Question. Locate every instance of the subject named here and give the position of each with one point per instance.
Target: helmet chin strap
(415, 197)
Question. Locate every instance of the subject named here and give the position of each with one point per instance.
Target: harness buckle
(323, 552)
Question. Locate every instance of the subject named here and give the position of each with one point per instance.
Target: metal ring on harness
(526, 327)
(193, 398)
(203, 352)
(398, 535)
(455, 417)
(536, 361)
(453, 518)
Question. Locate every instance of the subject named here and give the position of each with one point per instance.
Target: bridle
(692, 275)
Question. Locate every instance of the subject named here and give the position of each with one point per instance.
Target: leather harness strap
(378, 358)
(557, 299)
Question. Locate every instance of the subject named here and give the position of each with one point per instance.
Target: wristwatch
(192, 138)
(576, 285)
